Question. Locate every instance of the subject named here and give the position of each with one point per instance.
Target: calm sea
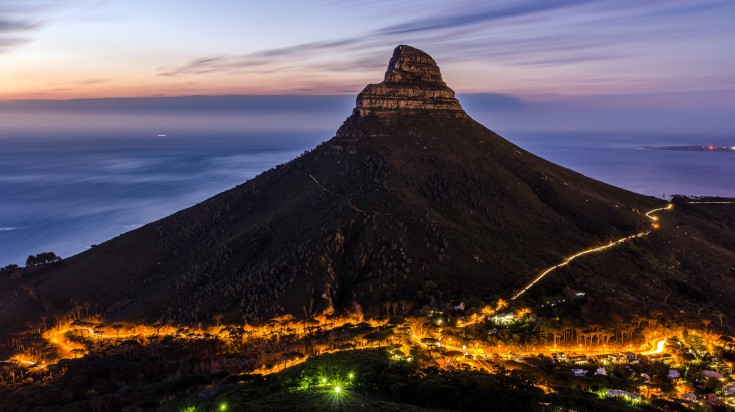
(65, 194)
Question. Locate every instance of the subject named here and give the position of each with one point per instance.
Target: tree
(117, 327)
(42, 259)
(8, 268)
(706, 323)
(387, 306)
(31, 261)
(719, 315)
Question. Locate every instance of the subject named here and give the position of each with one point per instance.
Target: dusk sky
(617, 64)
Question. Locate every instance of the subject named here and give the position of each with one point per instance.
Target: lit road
(659, 348)
(597, 249)
(57, 337)
(64, 348)
(19, 360)
(476, 363)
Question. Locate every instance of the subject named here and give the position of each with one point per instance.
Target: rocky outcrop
(412, 83)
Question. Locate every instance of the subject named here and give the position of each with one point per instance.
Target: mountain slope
(412, 200)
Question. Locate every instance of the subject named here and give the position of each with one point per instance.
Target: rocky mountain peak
(412, 83)
(409, 64)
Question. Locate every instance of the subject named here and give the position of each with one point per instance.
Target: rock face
(412, 83)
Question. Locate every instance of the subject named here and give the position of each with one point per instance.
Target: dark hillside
(411, 200)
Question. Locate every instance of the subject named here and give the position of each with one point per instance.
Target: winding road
(545, 272)
(658, 348)
(597, 249)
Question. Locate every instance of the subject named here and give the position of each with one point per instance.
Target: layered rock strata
(412, 83)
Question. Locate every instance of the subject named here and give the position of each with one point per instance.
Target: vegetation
(9, 268)
(42, 259)
(370, 378)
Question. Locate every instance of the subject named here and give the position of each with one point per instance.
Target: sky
(556, 64)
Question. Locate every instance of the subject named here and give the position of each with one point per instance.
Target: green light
(223, 406)
(324, 380)
(351, 375)
(337, 389)
(189, 409)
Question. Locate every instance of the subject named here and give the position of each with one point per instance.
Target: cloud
(94, 81)
(186, 105)
(16, 23)
(10, 26)
(494, 12)
(477, 15)
(510, 33)
(253, 61)
(7, 43)
(19, 19)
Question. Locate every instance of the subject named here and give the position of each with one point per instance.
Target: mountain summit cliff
(412, 201)
(412, 82)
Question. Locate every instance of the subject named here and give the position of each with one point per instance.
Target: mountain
(411, 200)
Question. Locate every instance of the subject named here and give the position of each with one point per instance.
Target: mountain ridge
(410, 200)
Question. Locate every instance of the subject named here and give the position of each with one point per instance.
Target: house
(617, 393)
(504, 319)
(558, 357)
(579, 372)
(617, 358)
(601, 371)
(729, 390)
(673, 374)
(646, 377)
(689, 397)
(431, 342)
(713, 400)
(712, 374)
(579, 360)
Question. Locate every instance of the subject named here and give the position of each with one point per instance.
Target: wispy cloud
(20, 19)
(475, 15)
(17, 21)
(11, 26)
(7, 43)
(256, 61)
(186, 105)
(502, 34)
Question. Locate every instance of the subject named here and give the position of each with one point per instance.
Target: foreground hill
(410, 201)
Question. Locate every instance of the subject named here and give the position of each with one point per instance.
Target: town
(653, 360)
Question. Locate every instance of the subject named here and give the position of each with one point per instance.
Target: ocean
(64, 194)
